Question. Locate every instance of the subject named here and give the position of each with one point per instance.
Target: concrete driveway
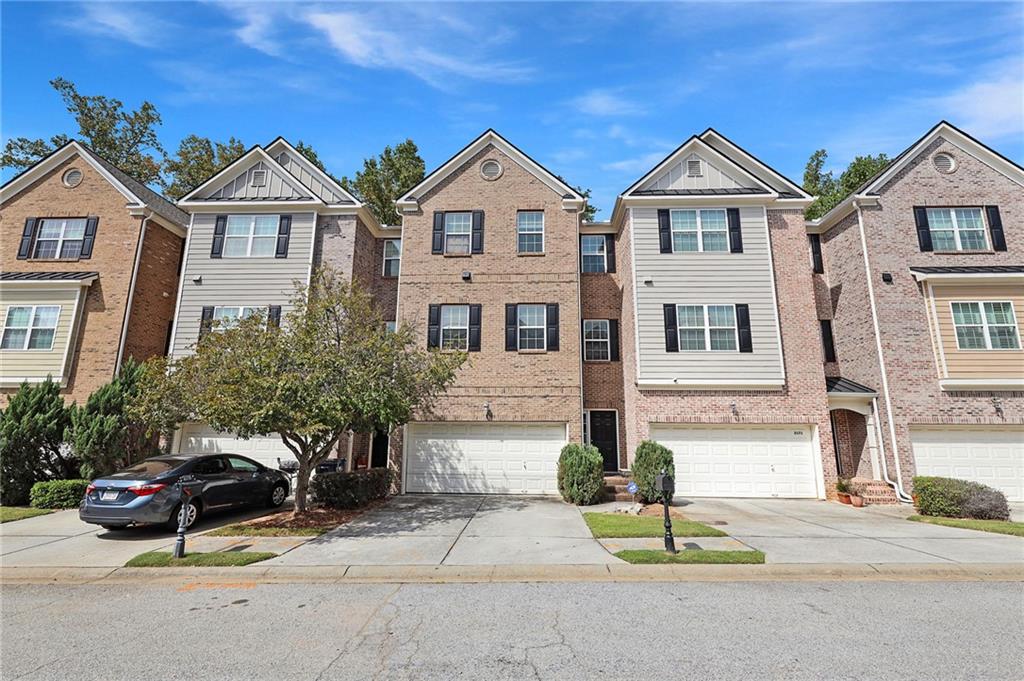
(458, 530)
(808, 531)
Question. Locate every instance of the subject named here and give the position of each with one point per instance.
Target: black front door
(604, 434)
(379, 450)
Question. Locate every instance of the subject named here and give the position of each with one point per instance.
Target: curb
(245, 577)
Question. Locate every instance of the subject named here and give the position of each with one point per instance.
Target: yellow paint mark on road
(194, 586)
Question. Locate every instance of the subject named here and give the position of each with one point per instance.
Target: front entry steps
(874, 491)
(615, 486)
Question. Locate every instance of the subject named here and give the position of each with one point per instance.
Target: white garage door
(198, 438)
(994, 457)
(736, 461)
(483, 458)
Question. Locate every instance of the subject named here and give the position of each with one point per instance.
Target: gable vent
(259, 178)
(944, 163)
(72, 178)
(490, 169)
(693, 168)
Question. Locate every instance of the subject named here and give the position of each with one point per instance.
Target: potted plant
(843, 491)
(856, 500)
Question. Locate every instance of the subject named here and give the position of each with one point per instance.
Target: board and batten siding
(711, 177)
(238, 281)
(324, 192)
(36, 365)
(978, 363)
(275, 187)
(705, 279)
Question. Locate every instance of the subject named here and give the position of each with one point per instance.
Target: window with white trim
(530, 231)
(458, 228)
(597, 344)
(30, 327)
(985, 325)
(228, 316)
(957, 229)
(392, 257)
(251, 236)
(60, 238)
(531, 327)
(455, 327)
(699, 230)
(595, 257)
(707, 327)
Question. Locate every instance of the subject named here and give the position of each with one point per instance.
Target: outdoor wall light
(488, 414)
(197, 280)
(648, 282)
(887, 277)
(467, 275)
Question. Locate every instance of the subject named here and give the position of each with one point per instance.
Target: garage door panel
(991, 456)
(198, 438)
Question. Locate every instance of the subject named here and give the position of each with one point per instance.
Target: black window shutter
(613, 339)
(664, 230)
(735, 233)
(995, 228)
(218, 236)
(433, 326)
(671, 328)
(474, 328)
(91, 223)
(743, 327)
(924, 235)
(437, 236)
(284, 231)
(206, 321)
(478, 232)
(28, 235)
(511, 336)
(274, 316)
(552, 319)
(827, 341)
(817, 264)
(609, 250)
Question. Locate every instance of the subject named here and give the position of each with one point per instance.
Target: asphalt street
(791, 630)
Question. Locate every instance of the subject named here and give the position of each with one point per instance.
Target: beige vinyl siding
(977, 363)
(35, 365)
(238, 281)
(277, 186)
(322, 190)
(705, 279)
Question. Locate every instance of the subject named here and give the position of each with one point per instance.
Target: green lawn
(11, 513)
(212, 559)
(647, 557)
(243, 530)
(997, 526)
(622, 525)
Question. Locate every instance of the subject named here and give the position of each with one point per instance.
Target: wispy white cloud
(606, 102)
(636, 164)
(990, 107)
(120, 21)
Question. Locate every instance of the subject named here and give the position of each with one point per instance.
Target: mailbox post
(185, 493)
(665, 484)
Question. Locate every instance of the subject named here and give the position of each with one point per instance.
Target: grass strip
(996, 526)
(689, 556)
(9, 514)
(243, 530)
(211, 559)
(622, 526)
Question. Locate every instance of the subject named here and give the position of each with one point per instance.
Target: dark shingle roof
(837, 384)
(971, 269)
(157, 203)
(721, 191)
(46, 276)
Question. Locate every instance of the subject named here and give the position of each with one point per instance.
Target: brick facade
(156, 290)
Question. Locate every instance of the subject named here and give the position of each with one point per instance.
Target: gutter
(131, 292)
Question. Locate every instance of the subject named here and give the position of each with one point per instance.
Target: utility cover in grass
(212, 559)
(622, 525)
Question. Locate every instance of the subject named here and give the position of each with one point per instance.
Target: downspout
(131, 294)
(898, 485)
(881, 454)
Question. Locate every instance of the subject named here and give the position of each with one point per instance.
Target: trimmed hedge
(651, 458)
(953, 498)
(580, 474)
(58, 493)
(351, 490)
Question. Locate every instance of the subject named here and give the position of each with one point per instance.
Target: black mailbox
(665, 483)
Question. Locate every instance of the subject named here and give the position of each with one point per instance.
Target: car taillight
(145, 490)
(90, 489)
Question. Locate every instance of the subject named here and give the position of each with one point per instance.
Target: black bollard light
(183, 493)
(665, 484)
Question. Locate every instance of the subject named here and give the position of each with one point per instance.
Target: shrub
(651, 459)
(843, 486)
(580, 474)
(985, 503)
(351, 490)
(58, 493)
(31, 441)
(953, 498)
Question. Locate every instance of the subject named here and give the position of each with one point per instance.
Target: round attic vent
(72, 177)
(944, 163)
(490, 169)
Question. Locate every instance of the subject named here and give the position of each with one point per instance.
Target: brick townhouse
(89, 272)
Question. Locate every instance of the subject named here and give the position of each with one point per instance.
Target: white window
(60, 238)
(531, 323)
(455, 327)
(30, 327)
(597, 345)
(226, 317)
(530, 231)
(595, 259)
(707, 327)
(985, 326)
(699, 230)
(457, 230)
(957, 229)
(251, 236)
(392, 257)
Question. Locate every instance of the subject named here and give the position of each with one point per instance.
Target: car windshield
(153, 466)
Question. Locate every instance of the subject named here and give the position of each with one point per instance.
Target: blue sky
(596, 92)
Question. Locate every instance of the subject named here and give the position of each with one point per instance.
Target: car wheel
(277, 495)
(175, 519)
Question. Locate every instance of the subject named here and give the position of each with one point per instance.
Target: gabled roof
(762, 170)
(944, 129)
(256, 154)
(490, 136)
(138, 194)
(281, 144)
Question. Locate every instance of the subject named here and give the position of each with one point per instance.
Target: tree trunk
(301, 487)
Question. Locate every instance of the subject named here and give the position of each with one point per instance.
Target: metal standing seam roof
(971, 269)
(46, 276)
(260, 198)
(837, 384)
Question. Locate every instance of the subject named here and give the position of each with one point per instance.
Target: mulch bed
(312, 518)
(659, 511)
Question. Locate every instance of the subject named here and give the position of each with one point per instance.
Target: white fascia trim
(251, 206)
(687, 148)
(147, 212)
(710, 384)
(245, 158)
(840, 211)
(747, 157)
(597, 228)
(312, 169)
(954, 384)
(181, 288)
(988, 277)
(53, 284)
(56, 158)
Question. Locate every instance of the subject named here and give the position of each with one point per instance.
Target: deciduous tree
(385, 178)
(197, 160)
(832, 191)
